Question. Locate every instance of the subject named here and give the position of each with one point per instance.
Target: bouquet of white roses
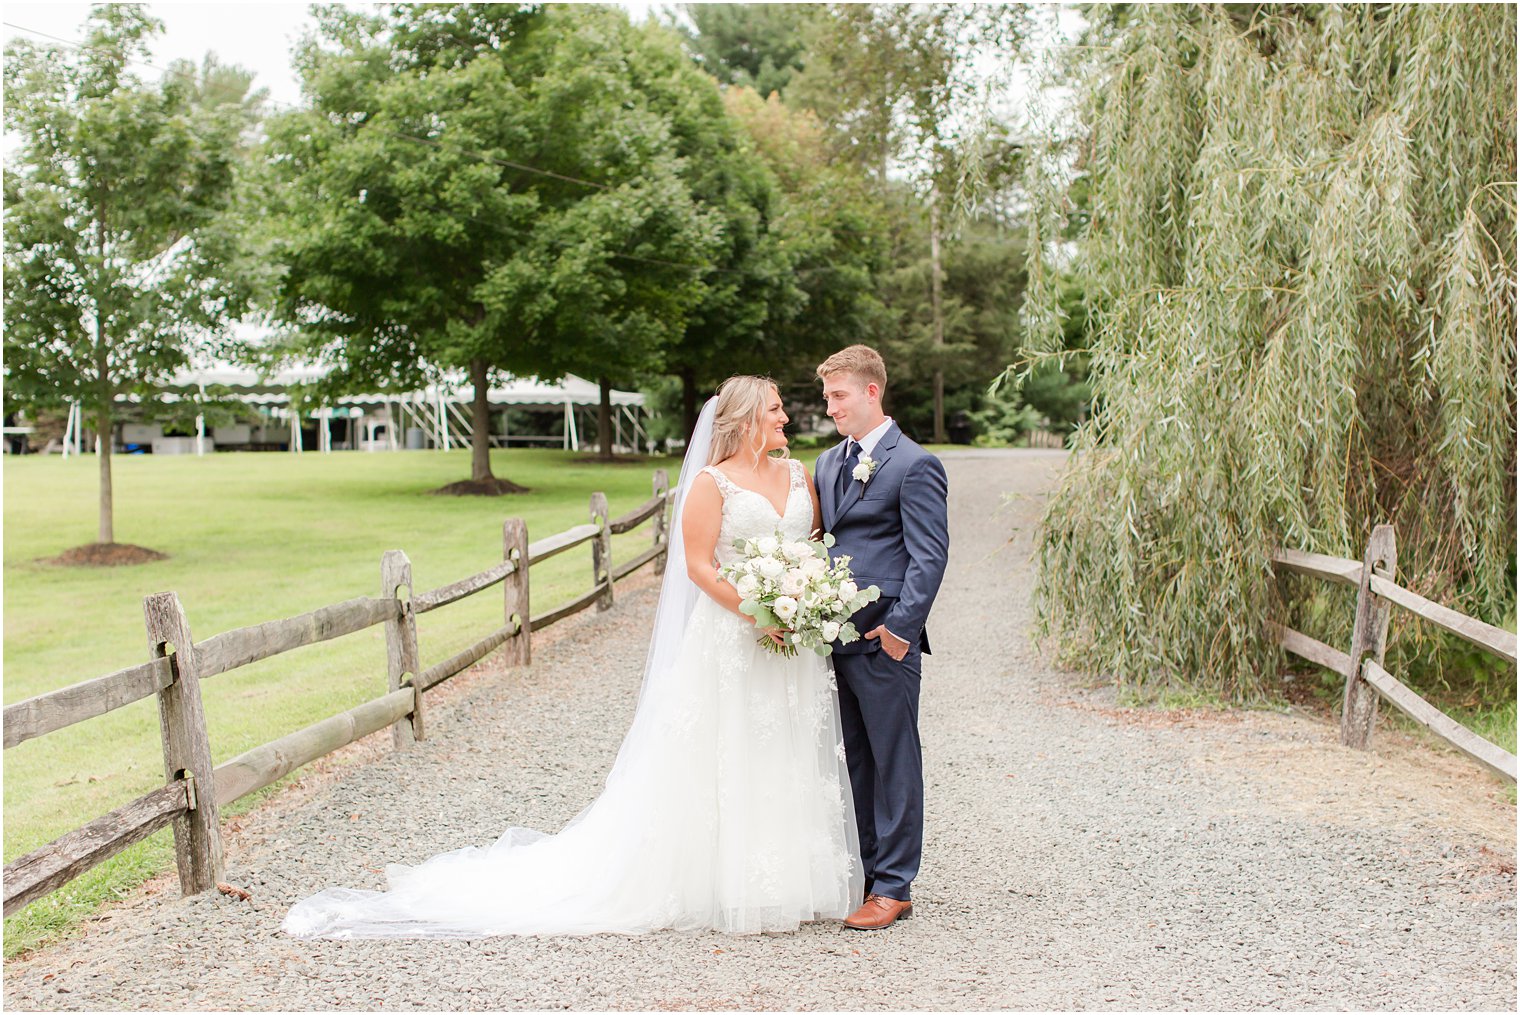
(792, 585)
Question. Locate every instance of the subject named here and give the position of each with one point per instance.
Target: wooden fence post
(518, 650)
(187, 751)
(1368, 640)
(601, 550)
(402, 662)
(661, 489)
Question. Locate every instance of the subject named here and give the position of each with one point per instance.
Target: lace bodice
(750, 515)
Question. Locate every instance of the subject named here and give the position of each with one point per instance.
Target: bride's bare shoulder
(703, 504)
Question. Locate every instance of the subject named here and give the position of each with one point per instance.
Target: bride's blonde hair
(736, 420)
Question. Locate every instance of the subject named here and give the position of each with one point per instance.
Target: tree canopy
(756, 46)
(483, 187)
(122, 253)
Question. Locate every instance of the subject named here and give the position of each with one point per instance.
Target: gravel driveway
(1077, 855)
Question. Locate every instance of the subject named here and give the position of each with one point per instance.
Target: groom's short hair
(861, 361)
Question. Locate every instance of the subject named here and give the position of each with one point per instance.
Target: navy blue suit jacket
(895, 530)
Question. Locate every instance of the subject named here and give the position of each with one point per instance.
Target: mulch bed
(105, 555)
(480, 488)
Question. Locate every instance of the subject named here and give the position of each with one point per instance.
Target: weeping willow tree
(1296, 239)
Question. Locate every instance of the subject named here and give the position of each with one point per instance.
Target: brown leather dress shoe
(877, 912)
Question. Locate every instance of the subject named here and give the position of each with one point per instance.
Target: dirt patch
(492, 487)
(1296, 763)
(105, 555)
(1181, 718)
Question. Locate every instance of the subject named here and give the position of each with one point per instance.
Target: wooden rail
(555, 545)
(575, 605)
(1336, 569)
(1315, 651)
(638, 515)
(1491, 756)
(253, 770)
(1366, 679)
(447, 594)
(626, 568)
(245, 645)
(194, 790)
(1486, 636)
(464, 660)
(85, 700)
(63, 860)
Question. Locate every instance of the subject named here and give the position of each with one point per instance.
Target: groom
(883, 498)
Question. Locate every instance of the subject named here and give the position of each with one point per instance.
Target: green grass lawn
(250, 538)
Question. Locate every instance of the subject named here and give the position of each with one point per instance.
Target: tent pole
(200, 424)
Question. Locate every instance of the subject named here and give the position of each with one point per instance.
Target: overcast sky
(256, 36)
(259, 36)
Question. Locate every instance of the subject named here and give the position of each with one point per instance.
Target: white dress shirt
(869, 441)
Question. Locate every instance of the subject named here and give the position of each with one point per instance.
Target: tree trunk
(107, 397)
(480, 422)
(604, 421)
(688, 402)
(103, 435)
(103, 432)
(937, 309)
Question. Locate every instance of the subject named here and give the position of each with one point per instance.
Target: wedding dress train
(728, 806)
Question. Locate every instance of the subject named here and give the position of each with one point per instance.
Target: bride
(727, 805)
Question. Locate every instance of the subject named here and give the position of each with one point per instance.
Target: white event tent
(437, 416)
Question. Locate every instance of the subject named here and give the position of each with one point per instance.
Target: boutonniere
(864, 469)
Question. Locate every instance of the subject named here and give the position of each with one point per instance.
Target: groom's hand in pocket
(891, 644)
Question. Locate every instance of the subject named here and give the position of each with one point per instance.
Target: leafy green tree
(120, 258)
(757, 46)
(485, 187)
(661, 275)
(746, 284)
(1300, 248)
(980, 298)
(827, 229)
(900, 84)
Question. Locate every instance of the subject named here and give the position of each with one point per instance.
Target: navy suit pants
(878, 711)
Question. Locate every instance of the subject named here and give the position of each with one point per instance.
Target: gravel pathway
(1078, 855)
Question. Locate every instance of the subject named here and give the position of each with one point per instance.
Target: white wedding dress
(728, 806)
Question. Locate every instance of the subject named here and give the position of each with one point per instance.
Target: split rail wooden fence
(1363, 665)
(195, 790)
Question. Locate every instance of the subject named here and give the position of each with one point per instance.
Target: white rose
(814, 567)
(793, 582)
(785, 608)
(747, 585)
(862, 472)
(767, 545)
(830, 630)
(847, 590)
(770, 567)
(797, 551)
